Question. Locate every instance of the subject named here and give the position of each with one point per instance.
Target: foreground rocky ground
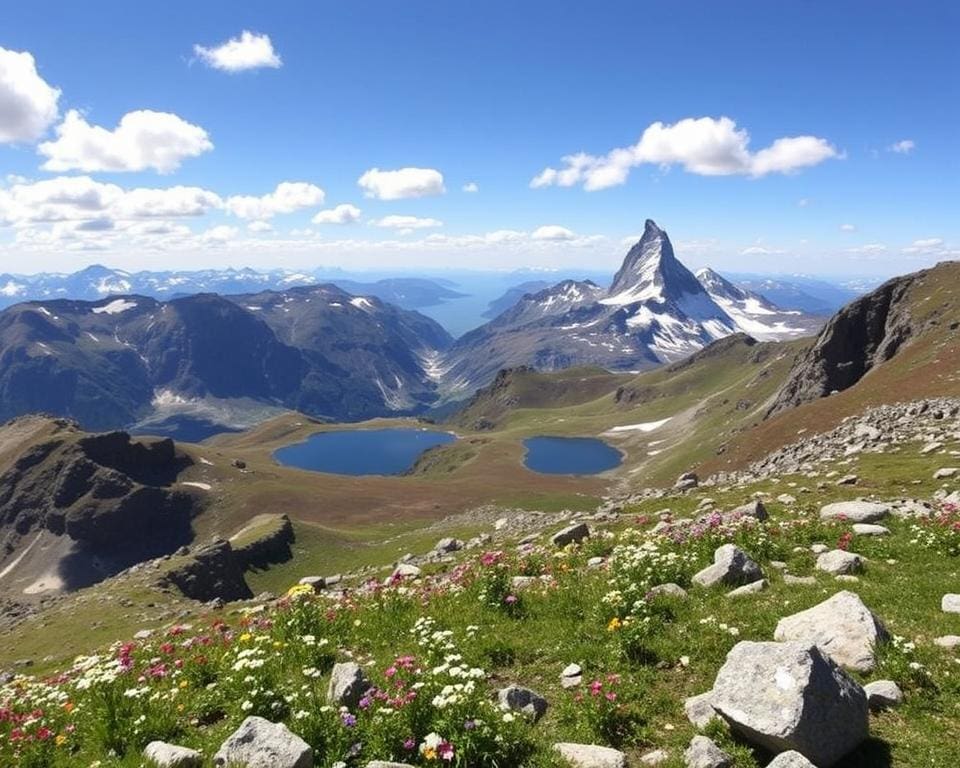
(804, 613)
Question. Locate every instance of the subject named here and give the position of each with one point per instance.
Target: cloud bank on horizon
(70, 201)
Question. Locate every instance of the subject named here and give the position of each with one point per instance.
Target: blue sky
(489, 94)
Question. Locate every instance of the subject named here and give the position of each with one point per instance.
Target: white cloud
(144, 202)
(142, 139)
(803, 202)
(289, 196)
(705, 146)
(903, 147)
(342, 214)
(471, 186)
(848, 228)
(553, 232)
(869, 249)
(406, 223)
(249, 51)
(259, 226)
(760, 250)
(220, 234)
(401, 184)
(28, 105)
(926, 245)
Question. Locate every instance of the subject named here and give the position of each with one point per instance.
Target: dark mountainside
(108, 500)
(865, 333)
(320, 350)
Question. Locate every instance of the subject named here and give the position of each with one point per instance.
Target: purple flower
(470, 725)
(510, 599)
(409, 744)
(348, 720)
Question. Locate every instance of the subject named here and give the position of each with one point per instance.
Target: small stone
(316, 583)
(523, 700)
(855, 511)
(749, 589)
(804, 581)
(819, 549)
(848, 480)
(948, 641)
(405, 571)
(595, 562)
(731, 566)
(656, 757)
(950, 604)
(143, 634)
(163, 755)
(668, 590)
(945, 472)
(869, 529)
(753, 509)
(591, 756)
(839, 561)
(572, 534)
(786, 498)
(931, 447)
(383, 764)
(883, 694)
(348, 684)
(699, 710)
(703, 753)
(790, 759)
(448, 545)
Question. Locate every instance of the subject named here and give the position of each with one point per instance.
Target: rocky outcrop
(865, 333)
(265, 540)
(258, 743)
(212, 572)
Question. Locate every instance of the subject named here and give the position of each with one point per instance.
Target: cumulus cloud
(869, 249)
(704, 146)
(761, 250)
(471, 186)
(220, 234)
(402, 183)
(238, 54)
(903, 147)
(553, 232)
(406, 223)
(288, 197)
(142, 139)
(259, 226)
(342, 214)
(848, 228)
(28, 104)
(926, 245)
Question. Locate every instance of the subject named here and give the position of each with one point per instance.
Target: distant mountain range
(119, 360)
(97, 282)
(129, 358)
(655, 311)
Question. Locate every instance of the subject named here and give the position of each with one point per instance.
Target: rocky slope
(321, 350)
(862, 335)
(76, 508)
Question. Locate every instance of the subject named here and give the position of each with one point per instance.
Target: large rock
(854, 511)
(523, 700)
(211, 572)
(163, 755)
(731, 566)
(839, 562)
(754, 509)
(699, 709)
(572, 534)
(841, 626)
(591, 756)
(950, 603)
(784, 696)
(258, 743)
(703, 753)
(883, 694)
(347, 684)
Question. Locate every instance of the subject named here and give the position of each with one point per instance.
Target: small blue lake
(570, 455)
(362, 451)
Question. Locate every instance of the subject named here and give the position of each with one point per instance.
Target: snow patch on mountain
(115, 307)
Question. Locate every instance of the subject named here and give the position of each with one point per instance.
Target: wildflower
(614, 624)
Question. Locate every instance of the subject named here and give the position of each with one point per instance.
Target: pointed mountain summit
(651, 272)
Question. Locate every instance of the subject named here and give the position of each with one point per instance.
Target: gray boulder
(387, 764)
(950, 603)
(754, 509)
(163, 755)
(790, 759)
(749, 589)
(883, 694)
(518, 699)
(572, 534)
(258, 743)
(854, 511)
(699, 709)
(348, 684)
(870, 529)
(703, 753)
(841, 626)
(731, 566)
(448, 545)
(839, 562)
(591, 756)
(783, 696)
(668, 590)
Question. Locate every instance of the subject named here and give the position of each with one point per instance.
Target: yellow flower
(183, 683)
(614, 624)
(246, 637)
(61, 739)
(299, 590)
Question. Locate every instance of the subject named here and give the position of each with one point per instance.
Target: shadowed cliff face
(865, 333)
(110, 496)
